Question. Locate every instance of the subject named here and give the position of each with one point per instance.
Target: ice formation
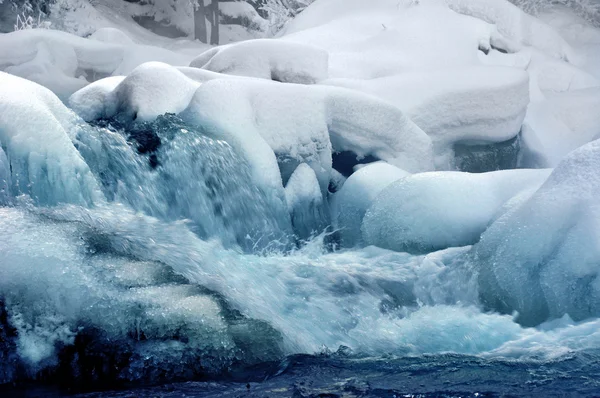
(433, 211)
(548, 266)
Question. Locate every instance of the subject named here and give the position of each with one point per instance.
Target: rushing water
(184, 270)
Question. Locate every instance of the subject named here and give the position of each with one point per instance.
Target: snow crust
(432, 211)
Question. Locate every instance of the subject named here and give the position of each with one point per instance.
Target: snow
(304, 124)
(96, 100)
(516, 25)
(267, 59)
(244, 12)
(386, 31)
(559, 124)
(432, 211)
(442, 103)
(35, 131)
(350, 203)
(305, 202)
(65, 63)
(541, 257)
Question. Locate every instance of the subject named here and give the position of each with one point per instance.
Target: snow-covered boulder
(305, 124)
(473, 104)
(267, 59)
(38, 156)
(542, 257)
(430, 211)
(350, 203)
(150, 90)
(305, 202)
(96, 100)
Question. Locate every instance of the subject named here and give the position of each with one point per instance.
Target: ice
(305, 203)
(267, 59)
(540, 258)
(432, 211)
(350, 203)
(38, 156)
(165, 325)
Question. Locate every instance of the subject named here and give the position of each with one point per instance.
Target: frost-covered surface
(432, 211)
(206, 219)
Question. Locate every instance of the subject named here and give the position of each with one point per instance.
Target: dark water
(426, 376)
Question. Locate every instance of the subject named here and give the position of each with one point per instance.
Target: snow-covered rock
(350, 203)
(466, 105)
(267, 59)
(150, 90)
(38, 156)
(96, 100)
(541, 258)
(305, 124)
(305, 202)
(430, 211)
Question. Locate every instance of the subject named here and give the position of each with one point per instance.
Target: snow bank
(473, 104)
(65, 63)
(560, 123)
(514, 24)
(350, 203)
(367, 40)
(431, 211)
(267, 59)
(541, 258)
(35, 130)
